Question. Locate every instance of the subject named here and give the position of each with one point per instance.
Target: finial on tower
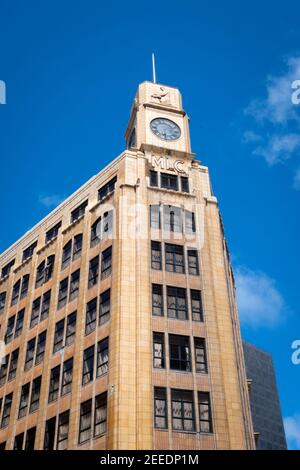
(153, 68)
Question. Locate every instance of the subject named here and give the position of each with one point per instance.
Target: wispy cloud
(51, 201)
(260, 302)
(296, 183)
(292, 431)
(279, 148)
(250, 137)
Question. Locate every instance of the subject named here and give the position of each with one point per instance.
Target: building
(118, 309)
(264, 399)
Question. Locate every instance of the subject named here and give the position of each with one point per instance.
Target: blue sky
(71, 71)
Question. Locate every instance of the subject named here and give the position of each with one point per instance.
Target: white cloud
(250, 136)
(296, 183)
(51, 201)
(279, 148)
(259, 301)
(292, 431)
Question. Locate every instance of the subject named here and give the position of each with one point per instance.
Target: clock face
(165, 129)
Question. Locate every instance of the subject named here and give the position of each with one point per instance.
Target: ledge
(72, 224)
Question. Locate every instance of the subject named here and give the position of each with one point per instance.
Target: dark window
(200, 355)
(54, 384)
(196, 305)
(108, 188)
(180, 355)
(19, 439)
(40, 274)
(153, 178)
(88, 365)
(77, 246)
(2, 302)
(3, 371)
(174, 258)
(106, 263)
(59, 336)
(157, 300)
(13, 364)
(40, 348)
(102, 357)
(6, 410)
(15, 292)
(85, 425)
(66, 256)
(79, 211)
(205, 412)
(19, 322)
(91, 314)
(29, 251)
(104, 310)
(172, 219)
(160, 408)
(156, 262)
(24, 287)
(183, 416)
(50, 434)
(29, 354)
(185, 184)
(63, 431)
(35, 394)
(100, 414)
(53, 232)
(67, 377)
(24, 400)
(71, 328)
(93, 271)
(190, 224)
(169, 181)
(2, 445)
(74, 285)
(45, 305)
(155, 217)
(107, 223)
(96, 232)
(159, 350)
(30, 439)
(193, 262)
(176, 303)
(35, 312)
(49, 268)
(63, 293)
(6, 269)
(9, 334)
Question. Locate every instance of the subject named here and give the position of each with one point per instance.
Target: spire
(153, 68)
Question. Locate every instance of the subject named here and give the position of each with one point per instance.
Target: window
(29, 251)
(107, 223)
(153, 178)
(196, 305)
(29, 354)
(176, 303)
(74, 286)
(88, 365)
(102, 357)
(35, 394)
(63, 293)
(180, 356)
(54, 384)
(6, 269)
(93, 272)
(104, 310)
(184, 184)
(155, 217)
(85, 425)
(193, 262)
(24, 400)
(71, 328)
(63, 431)
(30, 439)
(52, 233)
(174, 258)
(2, 445)
(40, 349)
(59, 336)
(200, 355)
(169, 181)
(19, 322)
(96, 232)
(15, 292)
(91, 313)
(160, 408)
(77, 246)
(159, 350)
(205, 412)
(19, 439)
(49, 434)
(2, 302)
(157, 300)
(45, 305)
(44, 271)
(9, 334)
(190, 224)
(35, 313)
(172, 219)
(24, 287)
(13, 364)
(79, 211)
(156, 261)
(108, 188)
(67, 377)
(183, 416)
(66, 255)
(106, 263)
(3, 370)
(100, 414)
(6, 410)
